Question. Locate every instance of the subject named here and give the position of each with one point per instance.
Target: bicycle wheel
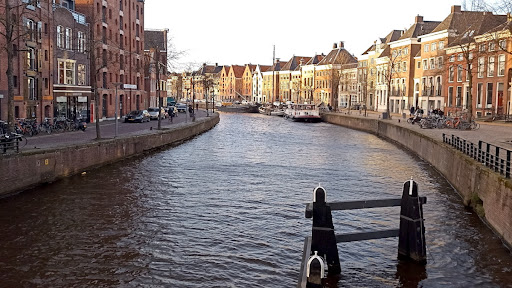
(474, 125)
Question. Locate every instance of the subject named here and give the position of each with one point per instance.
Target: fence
(492, 156)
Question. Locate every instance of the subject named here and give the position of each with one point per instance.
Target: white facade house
(257, 85)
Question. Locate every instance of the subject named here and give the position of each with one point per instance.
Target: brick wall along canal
(227, 210)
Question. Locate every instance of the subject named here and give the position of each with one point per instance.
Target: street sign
(129, 86)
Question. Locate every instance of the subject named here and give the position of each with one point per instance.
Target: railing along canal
(492, 156)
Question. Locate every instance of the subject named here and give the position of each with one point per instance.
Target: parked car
(181, 107)
(137, 116)
(153, 113)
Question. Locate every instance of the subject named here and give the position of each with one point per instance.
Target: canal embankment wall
(488, 192)
(31, 168)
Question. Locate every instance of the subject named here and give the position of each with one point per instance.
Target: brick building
(118, 33)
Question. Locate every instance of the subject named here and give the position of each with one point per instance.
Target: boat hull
(239, 109)
(312, 119)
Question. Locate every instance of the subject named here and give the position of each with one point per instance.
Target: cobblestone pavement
(498, 133)
(55, 140)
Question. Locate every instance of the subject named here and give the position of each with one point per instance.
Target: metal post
(507, 169)
(497, 159)
(487, 155)
(115, 113)
(480, 151)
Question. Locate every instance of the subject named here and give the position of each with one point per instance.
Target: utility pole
(116, 84)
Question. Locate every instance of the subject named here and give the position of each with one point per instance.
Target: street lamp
(116, 84)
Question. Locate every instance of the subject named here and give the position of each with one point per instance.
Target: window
(451, 73)
(490, 67)
(452, 58)
(404, 66)
(459, 73)
(441, 45)
(434, 46)
(31, 88)
(81, 42)
(458, 97)
(481, 67)
(31, 59)
(69, 39)
(479, 92)
(450, 96)
(419, 64)
(481, 48)
(432, 65)
(460, 57)
(66, 72)
(426, 48)
(503, 44)
(81, 74)
(31, 31)
(439, 86)
(501, 65)
(60, 36)
(440, 62)
(425, 64)
(489, 95)
(492, 46)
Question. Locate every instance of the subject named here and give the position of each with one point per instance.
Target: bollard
(411, 239)
(315, 271)
(323, 239)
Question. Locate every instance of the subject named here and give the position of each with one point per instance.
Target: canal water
(226, 209)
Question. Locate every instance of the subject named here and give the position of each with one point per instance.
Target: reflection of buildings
(71, 90)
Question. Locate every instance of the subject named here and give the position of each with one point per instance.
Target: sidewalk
(496, 133)
(56, 140)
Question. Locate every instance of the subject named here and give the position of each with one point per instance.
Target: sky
(237, 32)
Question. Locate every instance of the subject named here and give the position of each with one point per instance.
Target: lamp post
(116, 84)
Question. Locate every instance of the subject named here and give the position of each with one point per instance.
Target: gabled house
(271, 82)
(247, 82)
(328, 72)
(402, 64)
(285, 77)
(257, 84)
(308, 79)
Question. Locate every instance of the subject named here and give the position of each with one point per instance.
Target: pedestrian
(412, 111)
(171, 113)
(190, 110)
(197, 106)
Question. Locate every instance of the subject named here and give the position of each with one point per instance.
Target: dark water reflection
(226, 210)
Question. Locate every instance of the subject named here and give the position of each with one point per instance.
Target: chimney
(216, 64)
(418, 19)
(456, 9)
(334, 46)
(341, 45)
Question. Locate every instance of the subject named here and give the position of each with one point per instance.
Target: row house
(367, 75)
(32, 61)
(118, 46)
(71, 83)
(247, 82)
(155, 67)
(235, 83)
(401, 65)
(286, 89)
(477, 67)
(206, 78)
(308, 79)
(174, 87)
(271, 82)
(328, 73)
(347, 88)
(257, 84)
(223, 83)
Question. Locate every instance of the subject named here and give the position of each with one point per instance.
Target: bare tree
(13, 29)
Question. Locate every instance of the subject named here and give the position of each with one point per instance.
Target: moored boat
(302, 113)
(239, 108)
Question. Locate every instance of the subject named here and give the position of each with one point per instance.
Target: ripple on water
(226, 209)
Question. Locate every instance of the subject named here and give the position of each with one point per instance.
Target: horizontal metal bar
(306, 252)
(364, 204)
(350, 237)
(350, 205)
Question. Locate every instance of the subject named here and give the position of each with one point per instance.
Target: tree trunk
(10, 70)
(470, 96)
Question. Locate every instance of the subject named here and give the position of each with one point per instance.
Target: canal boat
(239, 108)
(302, 113)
